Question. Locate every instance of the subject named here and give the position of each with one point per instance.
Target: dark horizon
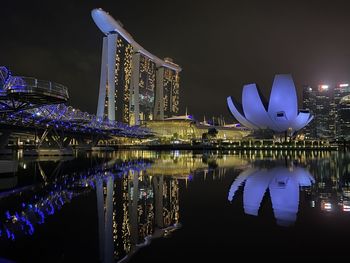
(220, 47)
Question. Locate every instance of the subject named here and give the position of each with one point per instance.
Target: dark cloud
(220, 44)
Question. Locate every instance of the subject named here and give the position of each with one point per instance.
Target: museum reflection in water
(138, 192)
(283, 185)
(323, 177)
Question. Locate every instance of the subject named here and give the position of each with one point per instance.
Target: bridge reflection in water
(137, 194)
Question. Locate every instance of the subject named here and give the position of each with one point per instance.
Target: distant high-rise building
(342, 106)
(309, 103)
(320, 103)
(323, 112)
(135, 85)
(343, 118)
(331, 109)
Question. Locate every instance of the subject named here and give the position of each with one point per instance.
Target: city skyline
(166, 131)
(61, 43)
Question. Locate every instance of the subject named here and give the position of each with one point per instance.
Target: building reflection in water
(143, 204)
(137, 192)
(331, 170)
(283, 185)
(331, 193)
(134, 209)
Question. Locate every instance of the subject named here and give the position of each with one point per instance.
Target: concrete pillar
(111, 59)
(159, 98)
(134, 104)
(103, 82)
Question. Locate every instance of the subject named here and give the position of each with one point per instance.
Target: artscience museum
(280, 114)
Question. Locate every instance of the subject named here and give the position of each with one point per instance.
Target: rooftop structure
(108, 25)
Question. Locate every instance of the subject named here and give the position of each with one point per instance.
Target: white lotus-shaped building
(281, 114)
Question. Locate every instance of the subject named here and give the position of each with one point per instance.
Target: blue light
(8, 216)
(283, 184)
(281, 114)
(39, 208)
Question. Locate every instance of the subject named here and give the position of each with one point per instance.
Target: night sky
(220, 45)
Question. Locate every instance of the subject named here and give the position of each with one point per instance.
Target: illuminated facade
(323, 112)
(342, 109)
(185, 129)
(343, 118)
(142, 89)
(330, 108)
(280, 115)
(167, 92)
(114, 96)
(309, 103)
(135, 85)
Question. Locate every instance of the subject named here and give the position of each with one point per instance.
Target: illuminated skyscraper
(115, 79)
(309, 103)
(167, 92)
(342, 106)
(320, 103)
(142, 89)
(331, 108)
(135, 85)
(323, 112)
(343, 118)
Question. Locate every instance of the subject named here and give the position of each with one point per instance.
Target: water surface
(167, 206)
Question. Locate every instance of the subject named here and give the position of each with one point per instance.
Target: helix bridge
(63, 118)
(30, 104)
(21, 93)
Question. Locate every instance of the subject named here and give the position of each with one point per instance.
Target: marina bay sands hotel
(135, 85)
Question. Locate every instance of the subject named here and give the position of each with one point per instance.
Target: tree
(205, 136)
(175, 136)
(212, 132)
